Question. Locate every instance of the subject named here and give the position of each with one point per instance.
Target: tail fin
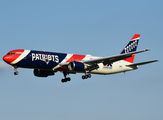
(131, 47)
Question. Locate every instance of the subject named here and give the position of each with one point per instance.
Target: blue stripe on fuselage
(41, 60)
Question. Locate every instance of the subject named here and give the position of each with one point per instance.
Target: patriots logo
(46, 61)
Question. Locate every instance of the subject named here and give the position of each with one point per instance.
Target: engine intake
(42, 73)
(76, 66)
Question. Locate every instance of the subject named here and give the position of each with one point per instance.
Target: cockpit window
(10, 53)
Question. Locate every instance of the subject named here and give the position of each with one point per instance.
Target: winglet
(147, 50)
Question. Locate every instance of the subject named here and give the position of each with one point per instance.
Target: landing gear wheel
(89, 75)
(16, 73)
(86, 76)
(66, 79)
(83, 77)
(63, 80)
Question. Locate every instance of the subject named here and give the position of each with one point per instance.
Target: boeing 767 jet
(45, 63)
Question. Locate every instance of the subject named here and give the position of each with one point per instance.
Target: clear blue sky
(99, 28)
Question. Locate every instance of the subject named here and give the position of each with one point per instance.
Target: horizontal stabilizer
(141, 63)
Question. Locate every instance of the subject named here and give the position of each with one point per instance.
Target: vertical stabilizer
(131, 47)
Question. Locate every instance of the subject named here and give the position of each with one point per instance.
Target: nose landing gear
(15, 69)
(16, 73)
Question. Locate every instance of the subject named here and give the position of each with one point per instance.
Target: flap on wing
(141, 63)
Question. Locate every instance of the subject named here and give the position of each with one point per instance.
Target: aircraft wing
(111, 59)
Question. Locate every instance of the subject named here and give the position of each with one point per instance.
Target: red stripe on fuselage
(76, 58)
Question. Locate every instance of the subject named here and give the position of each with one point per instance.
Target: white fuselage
(116, 67)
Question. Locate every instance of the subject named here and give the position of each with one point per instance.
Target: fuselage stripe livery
(76, 58)
(22, 55)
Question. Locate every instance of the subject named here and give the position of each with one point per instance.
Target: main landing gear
(66, 79)
(86, 76)
(15, 69)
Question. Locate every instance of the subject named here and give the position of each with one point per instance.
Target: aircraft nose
(12, 56)
(8, 58)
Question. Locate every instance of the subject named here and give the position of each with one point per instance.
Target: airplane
(48, 63)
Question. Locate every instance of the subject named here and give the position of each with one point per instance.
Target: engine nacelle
(77, 66)
(42, 73)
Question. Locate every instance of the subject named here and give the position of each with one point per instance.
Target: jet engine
(77, 66)
(42, 73)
